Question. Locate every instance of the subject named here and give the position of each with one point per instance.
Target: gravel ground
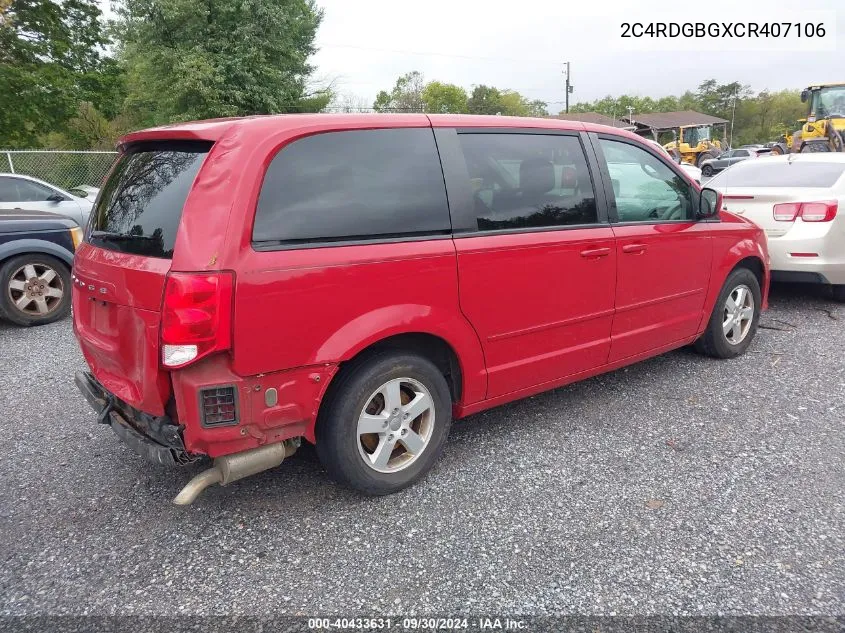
(677, 486)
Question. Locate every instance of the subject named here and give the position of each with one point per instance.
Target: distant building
(594, 117)
(651, 124)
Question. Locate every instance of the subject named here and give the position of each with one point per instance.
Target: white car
(799, 200)
(691, 170)
(25, 192)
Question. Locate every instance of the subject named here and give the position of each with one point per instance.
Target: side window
(528, 180)
(741, 153)
(8, 190)
(645, 188)
(353, 185)
(32, 191)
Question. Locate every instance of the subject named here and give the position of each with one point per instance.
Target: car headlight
(76, 236)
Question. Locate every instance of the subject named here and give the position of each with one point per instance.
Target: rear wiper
(120, 237)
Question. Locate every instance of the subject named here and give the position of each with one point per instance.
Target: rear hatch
(121, 269)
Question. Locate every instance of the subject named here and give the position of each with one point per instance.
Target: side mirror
(804, 95)
(709, 204)
(55, 197)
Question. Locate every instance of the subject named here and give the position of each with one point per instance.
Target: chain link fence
(63, 168)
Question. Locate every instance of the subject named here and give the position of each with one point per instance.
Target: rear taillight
(819, 211)
(823, 211)
(196, 317)
(787, 211)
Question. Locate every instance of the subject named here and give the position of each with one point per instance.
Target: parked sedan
(799, 200)
(18, 191)
(36, 254)
(715, 165)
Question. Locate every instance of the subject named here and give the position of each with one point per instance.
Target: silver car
(25, 192)
(715, 165)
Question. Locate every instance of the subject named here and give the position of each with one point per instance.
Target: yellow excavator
(824, 128)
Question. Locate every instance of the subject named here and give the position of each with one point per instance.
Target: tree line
(757, 117)
(69, 79)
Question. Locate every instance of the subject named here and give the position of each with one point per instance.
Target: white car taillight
(822, 211)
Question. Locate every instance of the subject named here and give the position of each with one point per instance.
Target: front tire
(814, 146)
(735, 317)
(384, 422)
(34, 289)
(703, 156)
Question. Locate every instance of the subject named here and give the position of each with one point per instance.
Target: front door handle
(634, 248)
(595, 253)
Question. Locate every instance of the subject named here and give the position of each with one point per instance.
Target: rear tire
(34, 289)
(732, 326)
(839, 293)
(707, 171)
(374, 433)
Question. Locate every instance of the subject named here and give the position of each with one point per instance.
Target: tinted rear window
(140, 205)
(766, 173)
(353, 185)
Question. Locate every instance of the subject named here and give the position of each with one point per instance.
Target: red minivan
(362, 280)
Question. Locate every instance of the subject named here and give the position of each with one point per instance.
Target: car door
(724, 161)
(535, 252)
(663, 253)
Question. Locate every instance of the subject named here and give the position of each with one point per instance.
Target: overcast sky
(364, 45)
(522, 45)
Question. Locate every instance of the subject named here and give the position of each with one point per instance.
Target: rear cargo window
(140, 206)
(354, 185)
(768, 173)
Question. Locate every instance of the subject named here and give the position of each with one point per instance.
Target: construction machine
(824, 128)
(694, 144)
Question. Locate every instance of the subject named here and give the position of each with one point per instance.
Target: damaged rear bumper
(157, 439)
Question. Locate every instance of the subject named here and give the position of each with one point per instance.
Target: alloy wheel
(738, 314)
(396, 425)
(36, 289)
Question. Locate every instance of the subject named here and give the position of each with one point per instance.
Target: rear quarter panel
(297, 308)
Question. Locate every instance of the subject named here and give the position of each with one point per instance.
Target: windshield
(140, 206)
(694, 135)
(828, 102)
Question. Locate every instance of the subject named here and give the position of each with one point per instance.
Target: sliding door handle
(595, 253)
(634, 248)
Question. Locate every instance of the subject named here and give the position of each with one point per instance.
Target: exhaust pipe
(229, 468)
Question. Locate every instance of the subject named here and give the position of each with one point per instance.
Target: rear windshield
(766, 173)
(139, 208)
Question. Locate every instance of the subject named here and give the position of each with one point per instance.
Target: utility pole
(733, 117)
(630, 114)
(568, 87)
